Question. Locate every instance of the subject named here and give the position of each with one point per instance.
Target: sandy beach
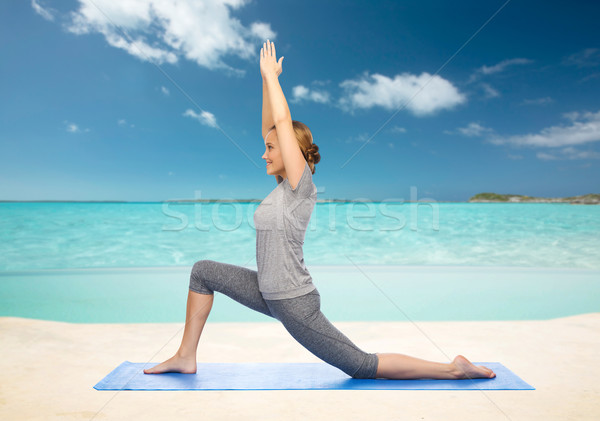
(48, 370)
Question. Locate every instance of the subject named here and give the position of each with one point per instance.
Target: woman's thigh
(303, 319)
(237, 282)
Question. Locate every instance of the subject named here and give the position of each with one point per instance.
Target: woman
(282, 287)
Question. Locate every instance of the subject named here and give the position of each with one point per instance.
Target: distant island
(587, 199)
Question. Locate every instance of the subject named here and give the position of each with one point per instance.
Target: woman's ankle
(185, 354)
(455, 371)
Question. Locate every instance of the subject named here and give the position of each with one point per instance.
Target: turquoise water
(95, 235)
(348, 293)
(130, 262)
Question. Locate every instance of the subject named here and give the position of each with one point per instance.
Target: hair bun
(310, 151)
(313, 153)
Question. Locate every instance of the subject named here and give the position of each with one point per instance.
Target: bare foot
(175, 364)
(465, 369)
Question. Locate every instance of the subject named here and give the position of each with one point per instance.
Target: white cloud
(360, 138)
(500, 67)
(164, 90)
(262, 31)
(497, 68)
(538, 101)
(584, 128)
(473, 130)
(590, 57)
(546, 156)
(573, 115)
(489, 91)
(74, 128)
(302, 93)
(163, 31)
(568, 153)
(590, 77)
(205, 117)
(46, 13)
(397, 129)
(123, 122)
(403, 90)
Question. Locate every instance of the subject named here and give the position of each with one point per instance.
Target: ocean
(97, 235)
(130, 262)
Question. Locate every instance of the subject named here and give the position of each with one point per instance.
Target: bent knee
(198, 277)
(368, 369)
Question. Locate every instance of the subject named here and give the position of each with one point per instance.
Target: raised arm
(267, 116)
(293, 160)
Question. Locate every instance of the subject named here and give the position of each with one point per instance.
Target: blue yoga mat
(288, 376)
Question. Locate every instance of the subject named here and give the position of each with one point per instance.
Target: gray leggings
(301, 316)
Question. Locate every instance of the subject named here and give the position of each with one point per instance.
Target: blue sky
(133, 101)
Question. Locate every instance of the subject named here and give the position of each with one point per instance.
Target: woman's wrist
(271, 77)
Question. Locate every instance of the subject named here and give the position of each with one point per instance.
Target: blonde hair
(309, 149)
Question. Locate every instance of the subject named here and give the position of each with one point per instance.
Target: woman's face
(272, 155)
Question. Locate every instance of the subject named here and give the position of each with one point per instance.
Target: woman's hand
(268, 63)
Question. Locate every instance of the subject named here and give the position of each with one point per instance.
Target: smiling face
(272, 155)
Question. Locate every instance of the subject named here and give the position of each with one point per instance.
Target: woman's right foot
(465, 369)
(175, 364)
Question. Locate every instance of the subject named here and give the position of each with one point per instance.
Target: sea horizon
(252, 200)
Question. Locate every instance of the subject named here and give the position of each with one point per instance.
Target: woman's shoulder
(305, 186)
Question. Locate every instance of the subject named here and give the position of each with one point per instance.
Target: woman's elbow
(282, 118)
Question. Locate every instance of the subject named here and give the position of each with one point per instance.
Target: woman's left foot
(465, 369)
(175, 364)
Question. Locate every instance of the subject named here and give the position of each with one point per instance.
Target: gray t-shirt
(281, 220)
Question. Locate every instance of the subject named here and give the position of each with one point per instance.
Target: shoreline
(348, 293)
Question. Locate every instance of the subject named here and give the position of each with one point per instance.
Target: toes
(151, 370)
(489, 372)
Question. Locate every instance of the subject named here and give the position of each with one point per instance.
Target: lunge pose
(282, 286)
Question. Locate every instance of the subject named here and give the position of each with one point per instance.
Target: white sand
(48, 370)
